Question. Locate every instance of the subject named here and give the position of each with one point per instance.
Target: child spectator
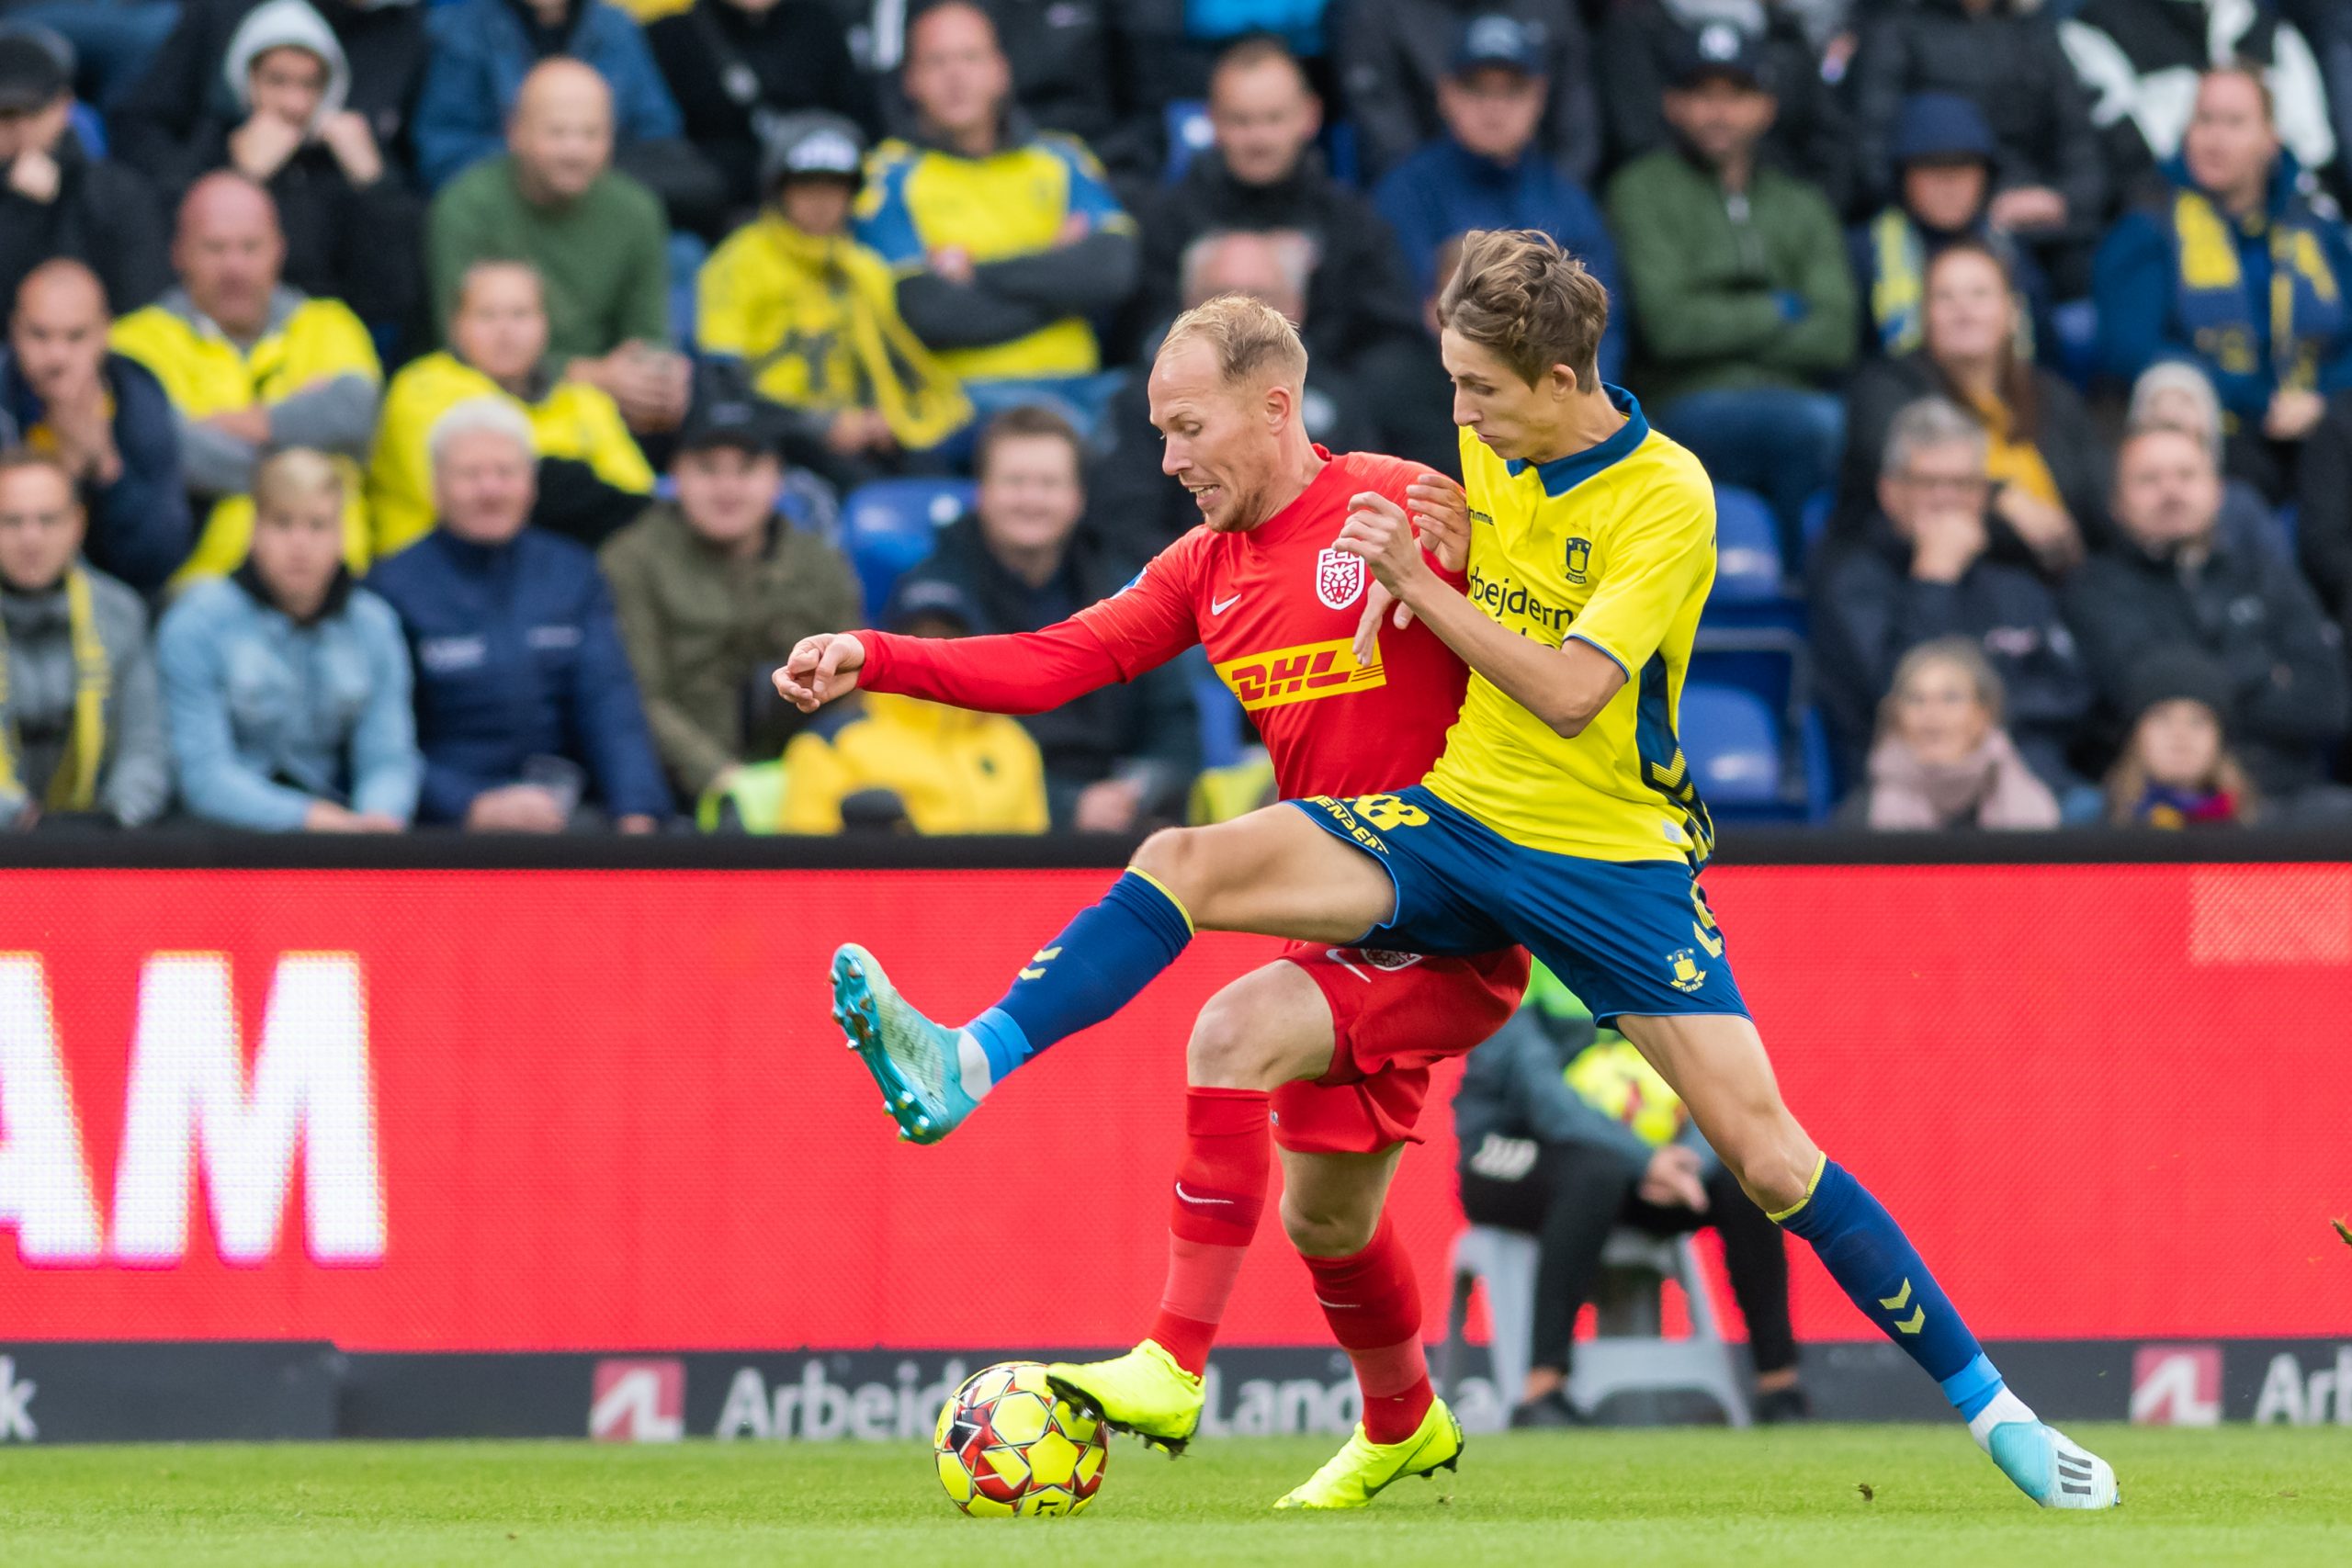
(2177, 770)
(1942, 760)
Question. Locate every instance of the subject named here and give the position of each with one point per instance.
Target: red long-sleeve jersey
(1276, 608)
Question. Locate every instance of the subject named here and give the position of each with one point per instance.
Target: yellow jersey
(1613, 547)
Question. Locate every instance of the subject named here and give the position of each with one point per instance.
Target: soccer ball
(1615, 1078)
(1007, 1446)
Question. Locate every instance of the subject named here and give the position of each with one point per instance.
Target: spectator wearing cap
(526, 708)
(1743, 307)
(595, 233)
(287, 685)
(103, 417)
(1393, 53)
(1006, 240)
(1488, 172)
(2176, 770)
(1263, 176)
(1644, 43)
(2050, 186)
(349, 217)
(1119, 758)
(56, 199)
(252, 363)
(2177, 583)
(880, 762)
(2237, 271)
(592, 478)
(81, 721)
(713, 589)
(171, 122)
(2141, 61)
(812, 316)
(1943, 156)
(1924, 568)
(737, 66)
(2049, 465)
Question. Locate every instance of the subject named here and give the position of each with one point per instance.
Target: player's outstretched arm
(1563, 686)
(1023, 674)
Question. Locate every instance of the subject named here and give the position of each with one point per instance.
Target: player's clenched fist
(1378, 530)
(821, 668)
(1441, 514)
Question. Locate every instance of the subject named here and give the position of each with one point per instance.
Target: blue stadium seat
(1187, 126)
(89, 126)
(1813, 520)
(1733, 743)
(1748, 547)
(2076, 325)
(891, 524)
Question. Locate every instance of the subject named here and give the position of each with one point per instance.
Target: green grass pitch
(2268, 1495)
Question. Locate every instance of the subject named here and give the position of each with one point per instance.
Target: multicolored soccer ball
(1008, 1447)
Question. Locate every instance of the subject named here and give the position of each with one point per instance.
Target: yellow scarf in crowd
(75, 786)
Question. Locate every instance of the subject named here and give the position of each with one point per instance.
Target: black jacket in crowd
(1642, 46)
(172, 122)
(344, 241)
(1391, 54)
(103, 215)
(2009, 63)
(2248, 610)
(2323, 516)
(796, 57)
(2070, 444)
(1359, 298)
(1868, 611)
(1146, 726)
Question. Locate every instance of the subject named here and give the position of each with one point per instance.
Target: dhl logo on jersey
(1300, 674)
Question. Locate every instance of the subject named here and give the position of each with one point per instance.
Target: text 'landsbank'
(189, 1101)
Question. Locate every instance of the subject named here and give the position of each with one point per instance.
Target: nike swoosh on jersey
(1188, 1198)
(1219, 607)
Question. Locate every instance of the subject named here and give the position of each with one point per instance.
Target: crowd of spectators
(445, 412)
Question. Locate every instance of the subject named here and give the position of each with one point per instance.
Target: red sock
(1374, 1304)
(1212, 1213)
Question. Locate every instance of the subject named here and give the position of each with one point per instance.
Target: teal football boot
(914, 1062)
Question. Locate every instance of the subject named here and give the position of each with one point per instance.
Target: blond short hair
(1530, 304)
(1249, 338)
(295, 475)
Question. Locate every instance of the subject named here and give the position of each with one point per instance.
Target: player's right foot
(1363, 1469)
(1144, 1392)
(914, 1061)
(2050, 1468)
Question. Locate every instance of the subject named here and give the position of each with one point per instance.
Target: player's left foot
(2049, 1468)
(1144, 1392)
(914, 1061)
(1360, 1470)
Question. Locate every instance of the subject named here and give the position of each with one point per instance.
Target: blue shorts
(1626, 936)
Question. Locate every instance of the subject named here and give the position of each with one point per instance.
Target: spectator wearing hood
(106, 420)
(1643, 44)
(2050, 186)
(2177, 584)
(57, 200)
(1488, 172)
(81, 721)
(1942, 761)
(1391, 55)
(882, 762)
(2176, 770)
(526, 706)
(171, 123)
(349, 217)
(592, 480)
(737, 66)
(1006, 240)
(812, 317)
(1943, 156)
(2142, 60)
(2236, 271)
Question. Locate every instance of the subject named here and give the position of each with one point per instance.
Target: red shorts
(1392, 1015)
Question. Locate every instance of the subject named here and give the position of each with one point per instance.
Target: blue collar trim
(1562, 475)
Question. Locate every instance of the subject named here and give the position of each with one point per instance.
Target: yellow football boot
(1142, 1392)
(1358, 1472)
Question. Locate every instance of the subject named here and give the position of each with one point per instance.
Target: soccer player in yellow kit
(1561, 816)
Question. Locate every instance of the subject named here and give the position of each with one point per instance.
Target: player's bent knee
(1772, 1163)
(1318, 1235)
(1178, 859)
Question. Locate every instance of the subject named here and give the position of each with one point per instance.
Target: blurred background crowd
(445, 414)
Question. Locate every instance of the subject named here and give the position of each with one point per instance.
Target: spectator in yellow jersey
(895, 763)
(1005, 239)
(813, 316)
(252, 365)
(593, 479)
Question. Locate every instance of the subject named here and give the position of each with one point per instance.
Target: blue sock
(1092, 970)
(1879, 1270)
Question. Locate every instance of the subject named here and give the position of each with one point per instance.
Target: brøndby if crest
(1339, 578)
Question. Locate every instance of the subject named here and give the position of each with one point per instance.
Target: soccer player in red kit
(1331, 1046)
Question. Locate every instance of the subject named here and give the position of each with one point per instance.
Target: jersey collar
(1562, 475)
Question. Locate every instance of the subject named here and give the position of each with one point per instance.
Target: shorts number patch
(1388, 812)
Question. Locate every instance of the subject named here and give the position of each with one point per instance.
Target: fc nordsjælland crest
(1338, 577)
